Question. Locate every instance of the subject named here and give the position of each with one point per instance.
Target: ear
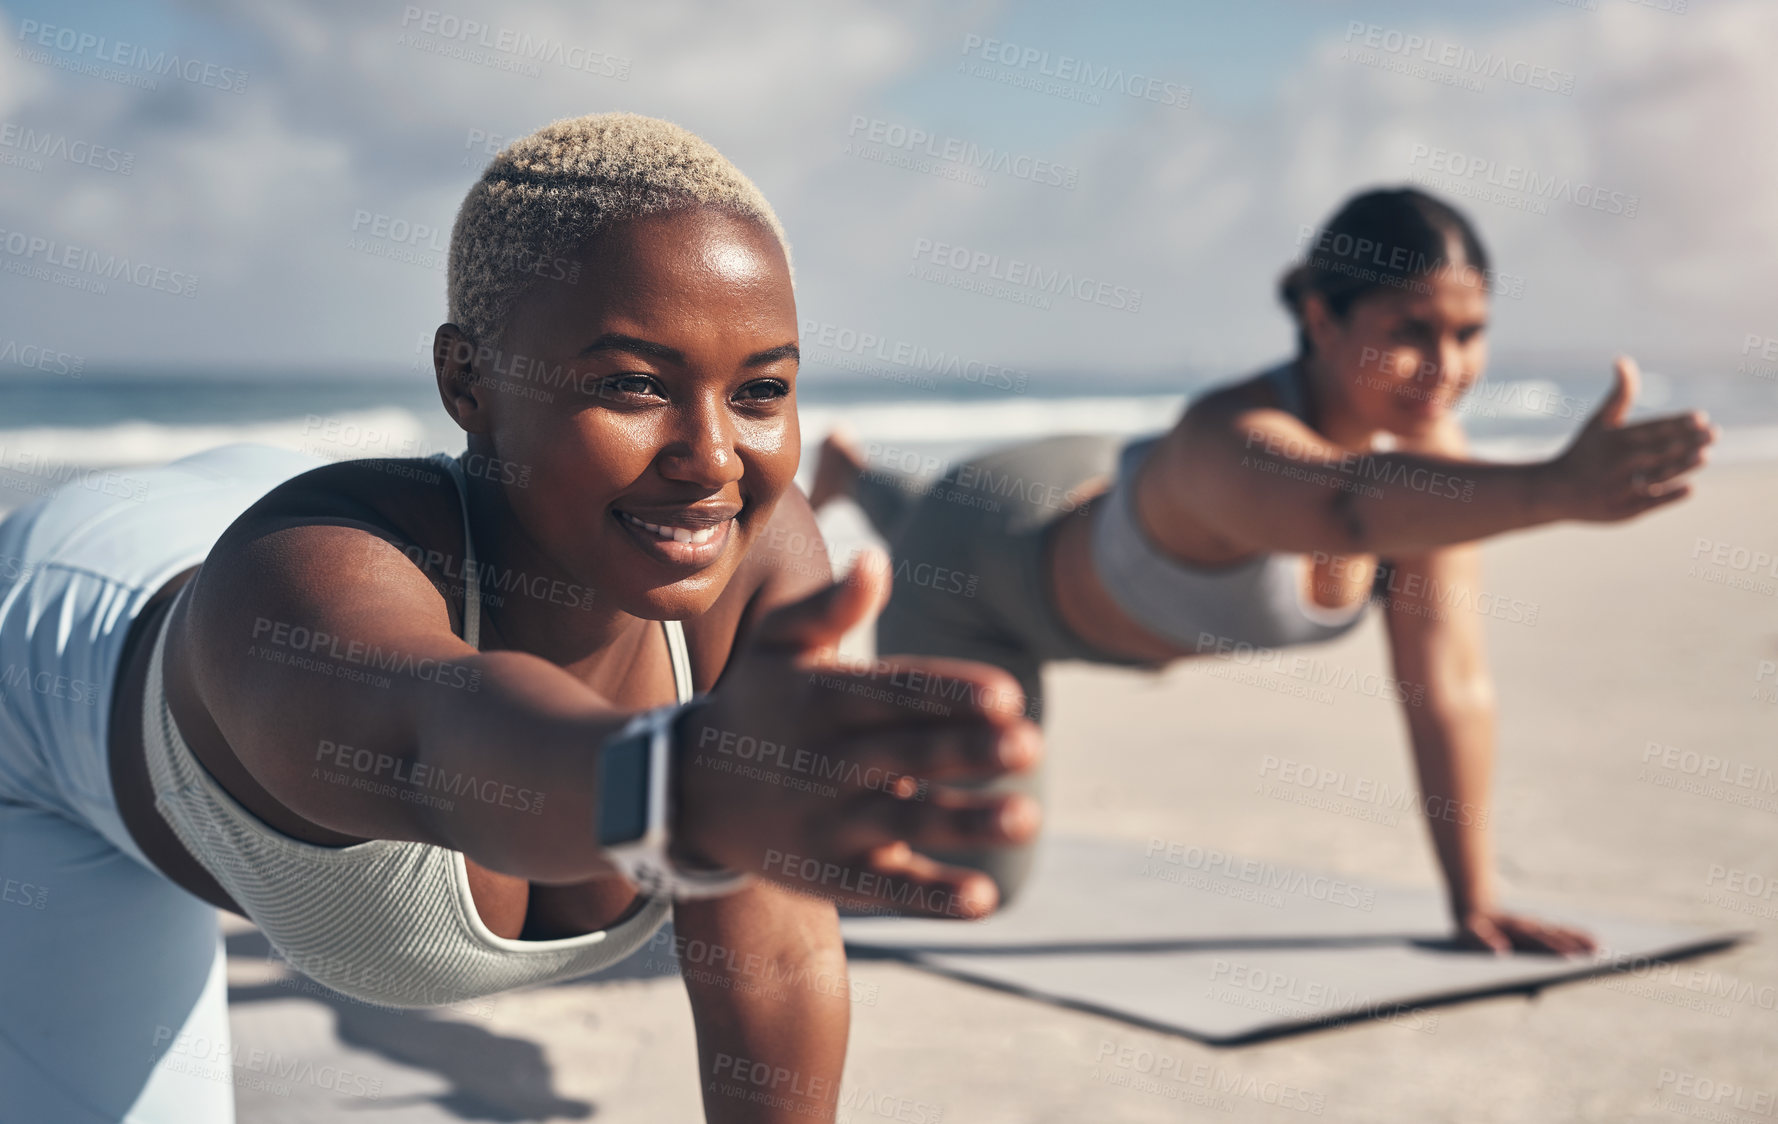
(1319, 322)
(454, 359)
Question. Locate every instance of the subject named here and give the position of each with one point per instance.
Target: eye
(763, 390)
(630, 386)
(1469, 334)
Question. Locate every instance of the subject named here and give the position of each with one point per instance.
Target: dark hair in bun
(1386, 239)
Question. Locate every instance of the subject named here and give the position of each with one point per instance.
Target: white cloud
(1199, 209)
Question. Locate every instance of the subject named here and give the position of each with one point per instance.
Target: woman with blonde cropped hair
(450, 726)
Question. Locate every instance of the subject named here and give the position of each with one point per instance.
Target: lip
(716, 519)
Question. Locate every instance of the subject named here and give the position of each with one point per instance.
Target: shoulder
(378, 512)
(1223, 403)
(408, 497)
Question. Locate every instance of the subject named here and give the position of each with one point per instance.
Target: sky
(284, 196)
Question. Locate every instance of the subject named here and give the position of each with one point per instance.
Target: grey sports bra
(1258, 602)
(386, 921)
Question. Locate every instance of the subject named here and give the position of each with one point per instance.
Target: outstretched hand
(812, 771)
(1613, 471)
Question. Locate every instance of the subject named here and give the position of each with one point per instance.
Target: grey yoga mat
(1226, 950)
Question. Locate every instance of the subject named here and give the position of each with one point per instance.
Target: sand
(1635, 642)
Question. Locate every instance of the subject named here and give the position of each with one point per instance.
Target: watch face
(623, 790)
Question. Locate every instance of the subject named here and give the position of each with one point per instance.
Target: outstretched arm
(1268, 482)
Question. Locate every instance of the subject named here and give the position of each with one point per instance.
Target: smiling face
(651, 407)
(1401, 359)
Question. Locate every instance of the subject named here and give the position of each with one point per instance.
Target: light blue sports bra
(1259, 602)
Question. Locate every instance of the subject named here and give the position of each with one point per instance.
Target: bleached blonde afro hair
(544, 195)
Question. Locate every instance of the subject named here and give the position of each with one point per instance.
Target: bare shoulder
(353, 533)
(1223, 407)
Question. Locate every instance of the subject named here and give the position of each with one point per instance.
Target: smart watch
(636, 769)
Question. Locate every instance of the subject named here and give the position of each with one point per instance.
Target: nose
(701, 449)
(1450, 362)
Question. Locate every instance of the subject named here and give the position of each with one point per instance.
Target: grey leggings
(971, 581)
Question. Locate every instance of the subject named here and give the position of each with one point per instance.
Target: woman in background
(1275, 510)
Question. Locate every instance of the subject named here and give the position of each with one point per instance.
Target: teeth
(675, 534)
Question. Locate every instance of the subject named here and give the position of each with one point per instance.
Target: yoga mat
(1226, 950)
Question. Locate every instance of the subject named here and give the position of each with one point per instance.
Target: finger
(892, 880)
(1616, 407)
(1690, 425)
(820, 620)
(1568, 942)
(909, 689)
(947, 820)
(1641, 505)
(1484, 935)
(947, 751)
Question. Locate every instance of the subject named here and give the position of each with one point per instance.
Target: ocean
(56, 425)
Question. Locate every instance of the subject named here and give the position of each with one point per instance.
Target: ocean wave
(380, 432)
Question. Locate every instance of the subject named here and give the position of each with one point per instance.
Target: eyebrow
(617, 341)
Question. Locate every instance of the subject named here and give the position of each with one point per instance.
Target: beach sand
(1638, 640)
